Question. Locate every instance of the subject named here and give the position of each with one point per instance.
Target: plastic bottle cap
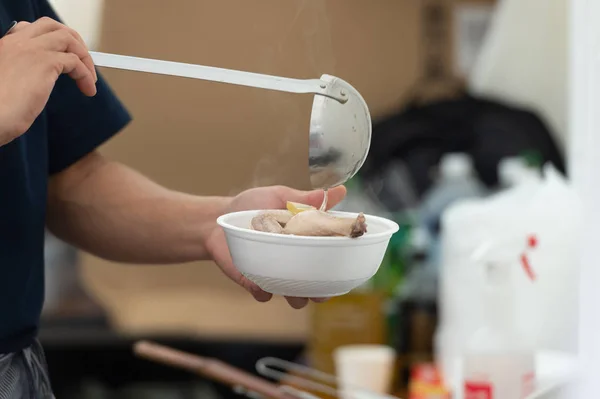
(455, 165)
(509, 170)
(420, 238)
(513, 170)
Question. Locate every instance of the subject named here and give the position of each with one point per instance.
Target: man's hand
(264, 198)
(114, 212)
(32, 57)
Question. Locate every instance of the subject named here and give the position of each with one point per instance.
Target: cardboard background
(208, 138)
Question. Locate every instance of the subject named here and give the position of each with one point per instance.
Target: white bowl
(312, 267)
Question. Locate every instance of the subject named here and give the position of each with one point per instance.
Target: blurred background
(469, 107)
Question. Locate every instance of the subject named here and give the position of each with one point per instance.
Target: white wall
(82, 15)
(524, 60)
(584, 164)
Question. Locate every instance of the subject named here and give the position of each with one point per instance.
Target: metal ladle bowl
(340, 123)
(340, 135)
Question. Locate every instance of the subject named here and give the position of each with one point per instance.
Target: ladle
(340, 123)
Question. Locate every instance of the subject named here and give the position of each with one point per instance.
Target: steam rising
(311, 21)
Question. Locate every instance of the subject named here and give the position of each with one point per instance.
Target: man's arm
(113, 212)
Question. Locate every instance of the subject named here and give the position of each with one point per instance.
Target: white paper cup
(368, 367)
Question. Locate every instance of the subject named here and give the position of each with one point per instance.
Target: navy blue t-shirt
(71, 126)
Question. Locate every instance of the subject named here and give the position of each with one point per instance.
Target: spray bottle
(457, 181)
(499, 363)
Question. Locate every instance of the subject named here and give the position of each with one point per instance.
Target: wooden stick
(211, 368)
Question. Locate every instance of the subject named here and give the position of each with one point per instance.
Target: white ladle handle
(241, 78)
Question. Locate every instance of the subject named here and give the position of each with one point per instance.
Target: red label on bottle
(478, 390)
(528, 384)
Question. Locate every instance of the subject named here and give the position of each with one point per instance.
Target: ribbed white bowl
(306, 266)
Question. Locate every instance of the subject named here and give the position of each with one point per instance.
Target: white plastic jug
(548, 209)
(548, 309)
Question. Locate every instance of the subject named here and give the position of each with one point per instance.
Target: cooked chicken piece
(281, 215)
(266, 222)
(318, 223)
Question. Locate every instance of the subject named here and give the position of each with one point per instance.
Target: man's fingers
(296, 303)
(42, 26)
(224, 261)
(71, 64)
(315, 198)
(88, 60)
(63, 41)
(335, 196)
(45, 26)
(17, 27)
(255, 290)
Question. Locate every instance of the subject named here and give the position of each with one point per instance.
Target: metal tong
(248, 384)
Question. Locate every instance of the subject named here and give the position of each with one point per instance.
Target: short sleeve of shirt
(78, 124)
